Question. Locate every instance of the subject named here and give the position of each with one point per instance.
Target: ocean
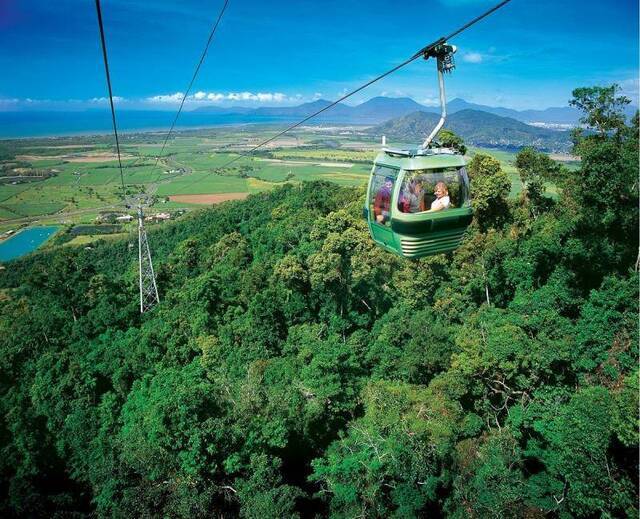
(15, 125)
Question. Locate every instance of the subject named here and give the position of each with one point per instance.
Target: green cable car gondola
(418, 200)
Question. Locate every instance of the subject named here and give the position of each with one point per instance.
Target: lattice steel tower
(148, 288)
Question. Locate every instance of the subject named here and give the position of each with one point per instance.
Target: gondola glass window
(381, 194)
(434, 189)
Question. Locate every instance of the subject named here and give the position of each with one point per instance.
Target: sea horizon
(51, 124)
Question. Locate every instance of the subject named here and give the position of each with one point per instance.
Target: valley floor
(71, 180)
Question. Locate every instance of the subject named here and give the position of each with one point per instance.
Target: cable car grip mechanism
(443, 53)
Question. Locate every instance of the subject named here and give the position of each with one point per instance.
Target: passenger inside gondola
(382, 201)
(442, 200)
(412, 200)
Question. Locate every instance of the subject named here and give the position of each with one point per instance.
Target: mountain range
(381, 109)
(404, 120)
(477, 124)
(373, 111)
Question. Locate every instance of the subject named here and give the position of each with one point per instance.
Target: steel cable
(195, 74)
(113, 112)
(422, 52)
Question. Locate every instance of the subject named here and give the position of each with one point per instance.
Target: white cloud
(472, 57)
(218, 97)
(155, 102)
(166, 98)
(100, 100)
(395, 93)
(266, 98)
(261, 97)
(430, 101)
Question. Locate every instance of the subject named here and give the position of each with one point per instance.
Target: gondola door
(380, 195)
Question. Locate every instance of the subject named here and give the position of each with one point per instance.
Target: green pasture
(89, 186)
(8, 191)
(354, 176)
(34, 208)
(47, 163)
(7, 214)
(202, 183)
(507, 162)
(338, 155)
(205, 161)
(92, 238)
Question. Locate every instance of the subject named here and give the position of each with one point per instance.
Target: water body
(25, 242)
(15, 125)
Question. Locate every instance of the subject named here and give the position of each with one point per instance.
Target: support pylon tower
(148, 288)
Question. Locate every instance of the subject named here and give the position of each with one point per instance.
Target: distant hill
(566, 115)
(555, 115)
(30, 123)
(475, 127)
(385, 108)
(339, 111)
(379, 109)
(373, 111)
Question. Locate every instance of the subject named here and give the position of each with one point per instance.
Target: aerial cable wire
(195, 74)
(422, 52)
(113, 112)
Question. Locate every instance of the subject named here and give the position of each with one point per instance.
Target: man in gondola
(382, 202)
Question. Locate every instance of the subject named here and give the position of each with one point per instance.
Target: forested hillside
(477, 128)
(293, 368)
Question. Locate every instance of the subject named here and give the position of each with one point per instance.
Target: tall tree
(490, 187)
(602, 107)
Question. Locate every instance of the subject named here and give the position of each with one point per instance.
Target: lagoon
(25, 242)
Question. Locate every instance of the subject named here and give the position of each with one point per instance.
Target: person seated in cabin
(442, 200)
(382, 202)
(413, 198)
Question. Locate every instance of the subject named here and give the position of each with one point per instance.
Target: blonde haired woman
(442, 200)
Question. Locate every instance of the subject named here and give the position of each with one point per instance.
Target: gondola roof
(432, 158)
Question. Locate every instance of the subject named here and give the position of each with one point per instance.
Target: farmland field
(75, 179)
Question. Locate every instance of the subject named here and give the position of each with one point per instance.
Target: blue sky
(527, 55)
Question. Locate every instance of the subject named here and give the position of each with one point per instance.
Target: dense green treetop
(293, 368)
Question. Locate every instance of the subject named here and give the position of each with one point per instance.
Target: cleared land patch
(564, 157)
(208, 199)
(102, 157)
(87, 176)
(98, 157)
(61, 147)
(86, 239)
(282, 162)
(335, 165)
